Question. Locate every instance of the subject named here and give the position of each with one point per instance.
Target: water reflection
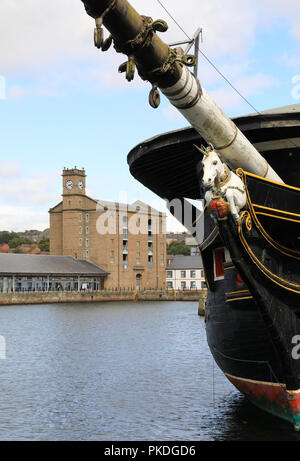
(119, 372)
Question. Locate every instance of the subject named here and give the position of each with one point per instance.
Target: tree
(6, 236)
(178, 248)
(44, 244)
(16, 241)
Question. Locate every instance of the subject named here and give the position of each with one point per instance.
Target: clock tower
(73, 183)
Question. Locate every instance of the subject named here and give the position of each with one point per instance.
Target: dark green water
(119, 371)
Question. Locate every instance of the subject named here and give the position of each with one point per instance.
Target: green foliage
(6, 236)
(178, 248)
(14, 242)
(44, 244)
(13, 239)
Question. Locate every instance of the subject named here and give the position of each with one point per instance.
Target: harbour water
(119, 372)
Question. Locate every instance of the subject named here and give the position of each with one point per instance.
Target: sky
(64, 104)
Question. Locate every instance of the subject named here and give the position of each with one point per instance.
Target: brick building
(127, 241)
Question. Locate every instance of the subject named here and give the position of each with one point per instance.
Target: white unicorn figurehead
(213, 167)
(218, 179)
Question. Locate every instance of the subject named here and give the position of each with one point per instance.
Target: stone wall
(103, 296)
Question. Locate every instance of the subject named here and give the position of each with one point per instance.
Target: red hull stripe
(272, 397)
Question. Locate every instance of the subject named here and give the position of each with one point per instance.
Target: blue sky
(65, 103)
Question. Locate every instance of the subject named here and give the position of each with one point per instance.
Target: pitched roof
(20, 264)
(185, 263)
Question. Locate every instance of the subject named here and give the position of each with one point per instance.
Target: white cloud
(56, 46)
(288, 9)
(17, 187)
(34, 37)
(19, 219)
(10, 169)
(249, 86)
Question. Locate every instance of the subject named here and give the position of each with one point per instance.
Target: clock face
(69, 185)
(80, 185)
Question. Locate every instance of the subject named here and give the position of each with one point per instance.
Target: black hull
(239, 340)
(253, 312)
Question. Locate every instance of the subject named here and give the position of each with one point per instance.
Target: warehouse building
(126, 240)
(20, 272)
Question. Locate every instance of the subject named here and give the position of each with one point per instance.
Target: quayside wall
(51, 297)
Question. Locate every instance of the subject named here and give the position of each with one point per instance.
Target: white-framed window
(80, 229)
(169, 274)
(193, 285)
(87, 217)
(80, 242)
(80, 217)
(183, 285)
(193, 274)
(86, 230)
(183, 274)
(86, 242)
(170, 285)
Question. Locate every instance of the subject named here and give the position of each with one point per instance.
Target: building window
(87, 218)
(125, 261)
(193, 274)
(162, 259)
(203, 285)
(86, 230)
(183, 274)
(138, 244)
(183, 285)
(87, 253)
(80, 217)
(125, 221)
(112, 256)
(80, 242)
(112, 241)
(69, 203)
(169, 274)
(86, 242)
(80, 230)
(170, 285)
(193, 285)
